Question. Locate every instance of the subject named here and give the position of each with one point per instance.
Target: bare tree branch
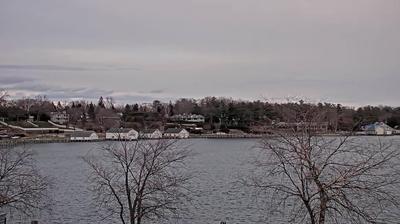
(140, 180)
(22, 187)
(341, 179)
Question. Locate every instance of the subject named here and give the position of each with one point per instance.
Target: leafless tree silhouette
(140, 180)
(22, 187)
(3, 96)
(316, 179)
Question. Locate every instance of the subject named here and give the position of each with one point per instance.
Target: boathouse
(151, 134)
(378, 128)
(176, 133)
(84, 136)
(122, 134)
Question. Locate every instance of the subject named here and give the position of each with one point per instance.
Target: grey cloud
(57, 92)
(41, 88)
(157, 91)
(133, 98)
(42, 67)
(9, 80)
(94, 94)
(89, 94)
(66, 93)
(61, 68)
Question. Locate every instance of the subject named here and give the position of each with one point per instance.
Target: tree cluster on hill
(219, 113)
(102, 115)
(245, 114)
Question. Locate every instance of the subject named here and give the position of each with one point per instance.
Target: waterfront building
(378, 128)
(176, 133)
(188, 118)
(151, 134)
(122, 134)
(84, 136)
(320, 127)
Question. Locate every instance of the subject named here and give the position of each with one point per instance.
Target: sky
(341, 51)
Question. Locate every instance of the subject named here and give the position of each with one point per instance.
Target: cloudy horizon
(137, 51)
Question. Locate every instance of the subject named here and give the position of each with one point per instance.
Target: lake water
(216, 196)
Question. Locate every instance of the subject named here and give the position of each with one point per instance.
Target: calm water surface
(216, 197)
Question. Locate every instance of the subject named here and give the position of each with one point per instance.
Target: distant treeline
(219, 113)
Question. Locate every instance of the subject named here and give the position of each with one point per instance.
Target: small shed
(176, 133)
(122, 134)
(84, 136)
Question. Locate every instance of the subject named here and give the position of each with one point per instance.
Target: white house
(396, 130)
(188, 118)
(299, 126)
(122, 134)
(84, 136)
(151, 134)
(59, 117)
(176, 133)
(378, 128)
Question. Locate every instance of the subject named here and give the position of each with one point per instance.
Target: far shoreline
(27, 141)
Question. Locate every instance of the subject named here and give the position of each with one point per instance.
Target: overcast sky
(344, 51)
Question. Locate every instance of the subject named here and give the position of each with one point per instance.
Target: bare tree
(107, 118)
(140, 180)
(310, 178)
(41, 105)
(3, 97)
(22, 187)
(110, 102)
(26, 104)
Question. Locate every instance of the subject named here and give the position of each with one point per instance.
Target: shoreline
(16, 142)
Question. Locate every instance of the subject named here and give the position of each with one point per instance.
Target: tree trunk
(133, 212)
(310, 211)
(139, 212)
(128, 194)
(322, 207)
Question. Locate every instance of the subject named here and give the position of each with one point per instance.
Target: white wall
(131, 135)
(156, 134)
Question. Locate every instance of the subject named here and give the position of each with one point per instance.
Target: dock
(16, 142)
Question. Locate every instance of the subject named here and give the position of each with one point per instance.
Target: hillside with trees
(219, 113)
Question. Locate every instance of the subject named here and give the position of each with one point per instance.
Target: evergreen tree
(196, 109)
(126, 112)
(170, 109)
(127, 109)
(91, 111)
(101, 102)
(59, 106)
(83, 119)
(135, 108)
